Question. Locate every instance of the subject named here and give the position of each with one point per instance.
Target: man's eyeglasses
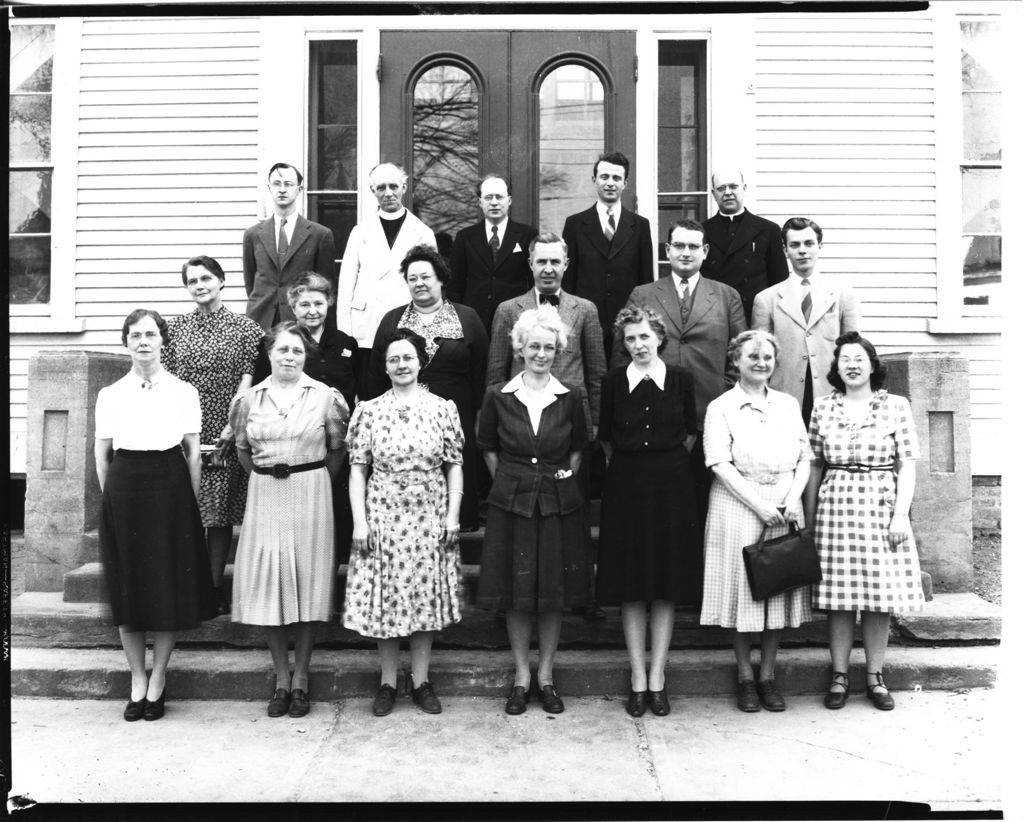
(283, 184)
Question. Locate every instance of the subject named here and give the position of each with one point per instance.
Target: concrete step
(247, 674)
(45, 620)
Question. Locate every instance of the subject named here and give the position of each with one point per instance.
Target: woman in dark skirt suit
(650, 547)
(151, 533)
(535, 556)
(456, 367)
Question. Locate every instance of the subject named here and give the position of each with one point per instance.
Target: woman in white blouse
(151, 534)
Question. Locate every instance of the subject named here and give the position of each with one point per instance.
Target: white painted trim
(45, 325)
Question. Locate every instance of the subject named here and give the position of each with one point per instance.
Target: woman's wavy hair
(138, 314)
(412, 337)
(878, 370)
(634, 314)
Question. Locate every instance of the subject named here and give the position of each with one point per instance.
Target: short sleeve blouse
(151, 415)
(886, 433)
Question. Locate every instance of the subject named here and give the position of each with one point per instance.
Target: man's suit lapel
(821, 305)
(593, 231)
(303, 228)
(668, 299)
(269, 241)
(508, 243)
(704, 298)
(623, 232)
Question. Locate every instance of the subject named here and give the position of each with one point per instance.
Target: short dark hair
(310, 281)
(426, 254)
(492, 176)
(276, 166)
(616, 158)
(799, 224)
(689, 225)
(878, 370)
(202, 261)
(411, 337)
(138, 314)
(287, 327)
(633, 314)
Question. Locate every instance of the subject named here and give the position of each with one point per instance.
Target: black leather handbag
(781, 564)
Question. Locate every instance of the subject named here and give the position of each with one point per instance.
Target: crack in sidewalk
(643, 752)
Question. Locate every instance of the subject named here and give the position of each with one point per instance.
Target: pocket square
(518, 249)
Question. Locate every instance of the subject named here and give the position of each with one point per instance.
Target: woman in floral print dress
(403, 575)
(215, 350)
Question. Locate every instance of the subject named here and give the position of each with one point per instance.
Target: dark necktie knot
(494, 242)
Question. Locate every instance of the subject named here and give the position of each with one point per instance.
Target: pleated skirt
(152, 544)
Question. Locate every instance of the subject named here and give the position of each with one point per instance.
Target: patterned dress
(284, 566)
(765, 439)
(409, 581)
(860, 571)
(213, 352)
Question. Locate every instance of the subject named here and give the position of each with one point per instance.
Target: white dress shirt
(152, 418)
(535, 401)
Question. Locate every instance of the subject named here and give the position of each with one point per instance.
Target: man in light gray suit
(806, 313)
(701, 316)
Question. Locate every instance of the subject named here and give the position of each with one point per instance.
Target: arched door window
(571, 136)
(446, 150)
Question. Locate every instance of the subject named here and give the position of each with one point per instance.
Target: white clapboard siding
(845, 134)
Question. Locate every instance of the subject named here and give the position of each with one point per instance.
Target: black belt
(861, 468)
(283, 470)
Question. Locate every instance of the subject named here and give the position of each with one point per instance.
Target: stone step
(247, 674)
(45, 620)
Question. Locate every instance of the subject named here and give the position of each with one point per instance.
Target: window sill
(966, 325)
(45, 325)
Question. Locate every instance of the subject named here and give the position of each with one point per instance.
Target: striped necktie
(609, 231)
(282, 242)
(805, 303)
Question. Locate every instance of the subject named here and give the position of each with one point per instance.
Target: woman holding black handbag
(757, 448)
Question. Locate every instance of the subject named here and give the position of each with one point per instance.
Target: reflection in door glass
(446, 151)
(571, 139)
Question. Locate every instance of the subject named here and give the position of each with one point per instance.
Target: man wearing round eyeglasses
(277, 250)
(744, 250)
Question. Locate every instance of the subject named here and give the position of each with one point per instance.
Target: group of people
(380, 411)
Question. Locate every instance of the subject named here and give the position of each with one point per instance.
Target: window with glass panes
(30, 164)
(981, 165)
(331, 184)
(682, 137)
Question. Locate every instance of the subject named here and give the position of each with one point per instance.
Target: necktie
(551, 299)
(282, 241)
(805, 303)
(609, 230)
(684, 302)
(495, 243)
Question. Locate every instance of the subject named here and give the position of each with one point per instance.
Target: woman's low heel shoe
(384, 701)
(517, 699)
(154, 708)
(636, 705)
(279, 703)
(659, 702)
(550, 701)
(834, 700)
(747, 699)
(134, 711)
(425, 697)
(879, 694)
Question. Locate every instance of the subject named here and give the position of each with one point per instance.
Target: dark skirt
(152, 544)
(650, 546)
(534, 563)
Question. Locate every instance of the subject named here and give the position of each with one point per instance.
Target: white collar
(291, 218)
(305, 381)
(736, 216)
(692, 282)
(501, 226)
(516, 384)
(387, 215)
(536, 295)
(657, 372)
(602, 211)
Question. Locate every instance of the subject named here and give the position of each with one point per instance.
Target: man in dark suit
(701, 316)
(610, 250)
(744, 250)
(276, 251)
(491, 260)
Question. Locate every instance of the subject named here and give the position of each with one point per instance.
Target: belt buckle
(281, 470)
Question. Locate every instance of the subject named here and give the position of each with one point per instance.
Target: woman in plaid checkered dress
(861, 485)
(756, 446)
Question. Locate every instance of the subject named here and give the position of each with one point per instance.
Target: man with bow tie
(744, 250)
(701, 316)
(806, 313)
(610, 248)
(277, 250)
(490, 260)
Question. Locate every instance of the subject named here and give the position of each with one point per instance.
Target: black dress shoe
(636, 705)
(517, 699)
(278, 705)
(384, 701)
(879, 694)
(746, 697)
(659, 702)
(154, 708)
(134, 711)
(222, 601)
(770, 697)
(425, 697)
(834, 700)
(299, 703)
(550, 701)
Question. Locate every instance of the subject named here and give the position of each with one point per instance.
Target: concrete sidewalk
(938, 747)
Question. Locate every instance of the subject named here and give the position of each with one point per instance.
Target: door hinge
(380, 67)
(636, 68)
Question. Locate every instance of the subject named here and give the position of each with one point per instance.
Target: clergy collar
(516, 383)
(391, 215)
(634, 376)
(732, 218)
